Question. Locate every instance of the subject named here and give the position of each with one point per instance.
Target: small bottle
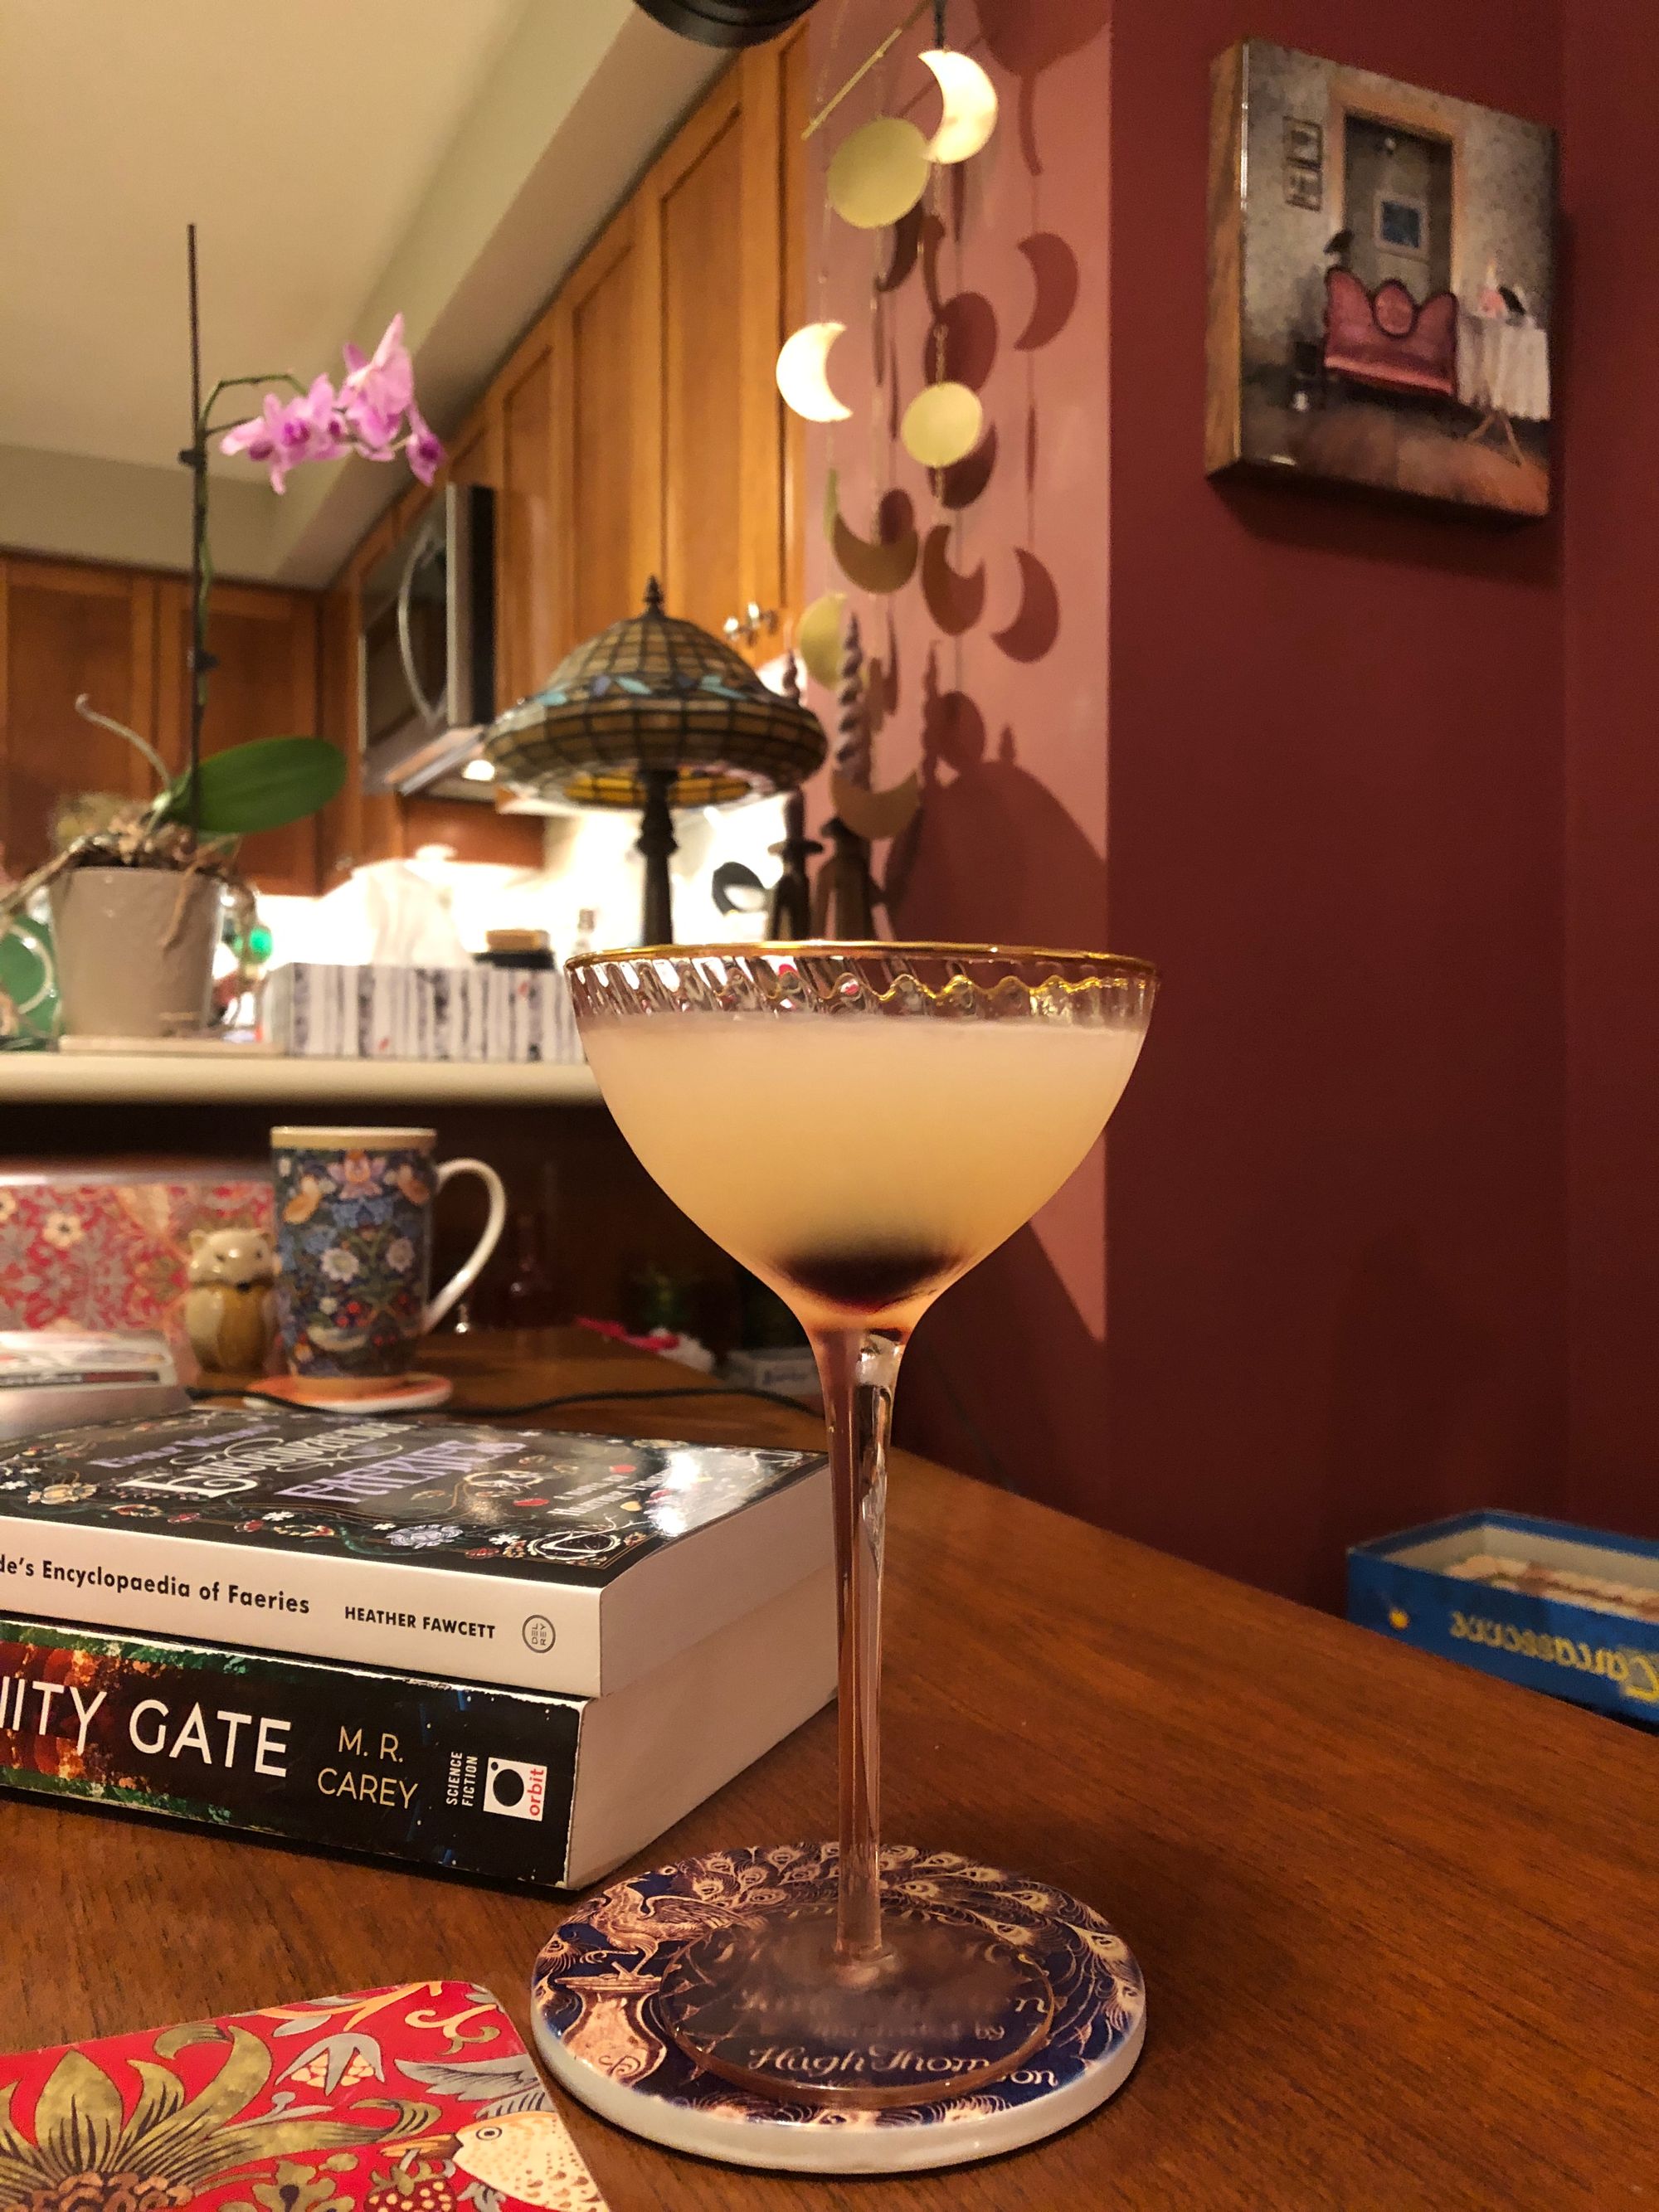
(586, 922)
(530, 1300)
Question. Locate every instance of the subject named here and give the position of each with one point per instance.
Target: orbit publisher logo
(516, 1789)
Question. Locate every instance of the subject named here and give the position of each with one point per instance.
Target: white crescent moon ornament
(970, 106)
(804, 373)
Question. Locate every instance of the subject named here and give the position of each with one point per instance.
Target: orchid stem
(198, 522)
(230, 383)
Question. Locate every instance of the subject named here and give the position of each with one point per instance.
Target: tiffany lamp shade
(654, 714)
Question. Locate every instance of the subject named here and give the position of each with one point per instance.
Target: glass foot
(766, 2003)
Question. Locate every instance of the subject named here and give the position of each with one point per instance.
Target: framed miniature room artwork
(1381, 282)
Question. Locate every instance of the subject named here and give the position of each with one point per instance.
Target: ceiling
(299, 142)
(447, 157)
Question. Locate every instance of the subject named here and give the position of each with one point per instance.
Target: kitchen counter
(262, 1079)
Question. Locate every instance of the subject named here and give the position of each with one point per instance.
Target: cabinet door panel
(701, 391)
(793, 96)
(65, 629)
(525, 632)
(264, 686)
(711, 216)
(605, 562)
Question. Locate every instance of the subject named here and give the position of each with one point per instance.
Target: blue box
(1403, 1587)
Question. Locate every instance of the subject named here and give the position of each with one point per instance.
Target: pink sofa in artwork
(1384, 338)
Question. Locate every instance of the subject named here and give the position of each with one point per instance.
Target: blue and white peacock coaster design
(593, 2005)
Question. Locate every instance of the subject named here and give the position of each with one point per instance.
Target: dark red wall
(1613, 763)
(993, 662)
(1333, 810)
(1335, 1238)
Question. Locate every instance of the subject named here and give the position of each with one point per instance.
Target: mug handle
(465, 1277)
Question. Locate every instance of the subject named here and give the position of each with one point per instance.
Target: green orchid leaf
(262, 785)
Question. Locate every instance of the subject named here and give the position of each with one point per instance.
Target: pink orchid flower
(424, 451)
(304, 428)
(373, 433)
(384, 382)
(365, 416)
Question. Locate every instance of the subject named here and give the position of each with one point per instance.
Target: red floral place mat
(418, 2098)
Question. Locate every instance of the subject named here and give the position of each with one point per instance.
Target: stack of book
(511, 1655)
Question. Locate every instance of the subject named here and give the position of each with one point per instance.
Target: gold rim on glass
(787, 948)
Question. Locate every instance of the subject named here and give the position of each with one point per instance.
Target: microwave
(426, 648)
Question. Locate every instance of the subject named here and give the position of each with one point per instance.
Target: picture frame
(1400, 224)
(1303, 188)
(1354, 220)
(1304, 142)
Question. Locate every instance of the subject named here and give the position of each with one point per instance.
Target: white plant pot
(130, 962)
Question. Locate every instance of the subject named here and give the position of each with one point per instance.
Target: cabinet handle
(746, 628)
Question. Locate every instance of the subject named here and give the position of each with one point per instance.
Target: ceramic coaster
(598, 2027)
(368, 1393)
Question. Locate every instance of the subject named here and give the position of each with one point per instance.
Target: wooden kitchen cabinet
(673, 454)
(708, 321)
(122, 636)
(525, 604)
(67, 628)
(604, 482)
(636, 427)
(265, 643)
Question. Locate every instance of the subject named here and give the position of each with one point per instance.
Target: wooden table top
(1397, 1921)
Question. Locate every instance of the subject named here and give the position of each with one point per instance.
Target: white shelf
(259, 1079)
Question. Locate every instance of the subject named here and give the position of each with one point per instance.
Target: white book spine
(527, 1634)
(360, 983)
(499, 995)
(318, 1010)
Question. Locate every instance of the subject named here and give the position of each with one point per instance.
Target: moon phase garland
(878, 176)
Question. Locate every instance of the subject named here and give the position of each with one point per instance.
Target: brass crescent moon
(874, 815)
(875, 565)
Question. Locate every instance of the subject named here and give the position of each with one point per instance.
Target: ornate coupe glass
(860, 1125)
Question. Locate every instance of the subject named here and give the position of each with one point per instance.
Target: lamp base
(618, 2011)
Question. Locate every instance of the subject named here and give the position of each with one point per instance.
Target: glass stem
(858, 1370)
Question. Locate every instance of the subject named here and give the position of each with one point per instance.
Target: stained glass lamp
(654, 714)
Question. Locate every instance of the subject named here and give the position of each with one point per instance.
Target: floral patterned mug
(353, 1245)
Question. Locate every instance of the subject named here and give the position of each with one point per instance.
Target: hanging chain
(937, 334)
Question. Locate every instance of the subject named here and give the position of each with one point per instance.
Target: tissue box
(1554, 1607)
(315, 1010)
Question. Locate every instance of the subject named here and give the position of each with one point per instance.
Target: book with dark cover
(513, 1785)
(567, 1564)
(416, 2098)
